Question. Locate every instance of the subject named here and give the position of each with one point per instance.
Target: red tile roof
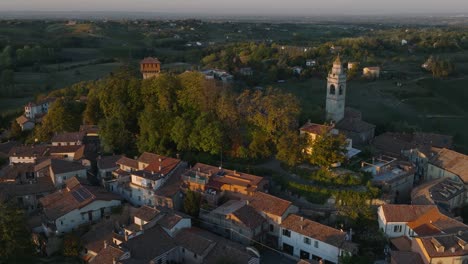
(68, 137)
(404, 213)
(128, 162)
(150, 60)
(316, 129)
(269, 204)
(249, 217)
(452, 161)
(146, 213)
(314, 230)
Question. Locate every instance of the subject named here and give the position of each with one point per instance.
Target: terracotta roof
(191, 240)
(162, 165)
(128, 162)
(432, 139)
(354, 125)
(449, 242)
(68, 137)
(59, 166)
(29, 151)
(94, 239)
(107, 255)
(89, 129)
(146, 213)
(148, 157)
(403, 212)
(66, 200)
(401, 257)
(314, 230)
(269, 204)
(78, 150)
(108, 162)
(171, 186)
(22, 120)
(150, 60)
(443, 189)
(402, 243)
(170, 220)
(42, 185)
(316, 129)
(452, 161)
(249, 217)
(154, 242)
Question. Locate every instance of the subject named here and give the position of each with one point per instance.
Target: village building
(20, 184)
(311, 62)
(106, 165)
(307, 239)
(371, 72)
(236, 220)
(90, 130)
(75, 205)
(150, 67)
(246, 71)
(393, 177)
(353, 65)
(451, 248)
(59, 171)
(34, 110)
(448, 163)
(314, 131)
(70, 153)
(68, 139)
(138, 180)
(213, 181)
(25, 123)
(28, 154)
(446, 193)
(360, 132)
(336, 92)
(297, 70)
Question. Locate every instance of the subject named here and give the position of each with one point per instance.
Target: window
(332, 89)
(316, 244)
(61, 222)
(397, 229)
(183, 250)
(195, 255)
(286, 233)
(307, 240)
(340, 90)
(139, 198)
(272, 228)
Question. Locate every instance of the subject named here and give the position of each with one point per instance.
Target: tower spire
(337, 60)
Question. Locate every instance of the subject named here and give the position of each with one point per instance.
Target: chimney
(247, 202)
(178, 156)
(302, 227)
(114, 260)
(105, 243)
(302, 218)
(160, 167)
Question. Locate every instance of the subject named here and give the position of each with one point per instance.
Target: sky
(261, 7)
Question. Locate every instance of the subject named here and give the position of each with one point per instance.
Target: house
(371, 72)
(444, 192)
(448, 163)
(360, 132)
(311, 63)
(28, 154)
(170, 194)
(25, 123)
(90, 130)
(403, 257)
(352, 65)
(211, 181)
(297, 70)
(138, 180)
(236, 220)
(247, 71)
(392, 176)
(150, 67)
(106, 165)
(274, 209)
(68, 139)
(307, 239)
(70, 153)
(416, 147)
(313, 131)
(75, 205)
(393, 219)
(59, 171)
(33, 110)
(451, 248)
(20, 184)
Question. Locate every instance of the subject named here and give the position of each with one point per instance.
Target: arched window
(340, 90)
(332, 89)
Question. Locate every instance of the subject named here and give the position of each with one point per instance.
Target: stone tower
(336, 92)
(150, 67)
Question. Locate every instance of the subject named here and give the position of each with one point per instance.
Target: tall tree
(328, 150)
(15, 240)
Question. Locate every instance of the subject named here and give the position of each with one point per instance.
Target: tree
(15, 130)
(290, 148)
(328, 149)
(71, 245)
(15, 240)
(192, 203)
(114, 135)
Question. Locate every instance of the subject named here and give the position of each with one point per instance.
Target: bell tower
(336, 92)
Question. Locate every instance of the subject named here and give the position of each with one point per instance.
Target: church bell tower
(336, 92)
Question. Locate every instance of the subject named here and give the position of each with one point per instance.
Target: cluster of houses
(133, 205)
(33, 113)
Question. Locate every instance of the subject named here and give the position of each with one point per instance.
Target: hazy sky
(287, 7)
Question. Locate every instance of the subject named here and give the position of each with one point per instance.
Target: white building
(306, 239)
(68, 139)
(27, 154)
(32, 110)
(75, 205)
